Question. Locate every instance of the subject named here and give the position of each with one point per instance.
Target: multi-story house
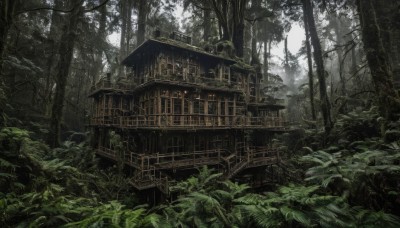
(182, 107)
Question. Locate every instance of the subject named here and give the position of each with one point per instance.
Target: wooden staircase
(235, 169)
(150, 179)
(152, 176)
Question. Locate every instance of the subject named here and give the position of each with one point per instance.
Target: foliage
(349, 188)
(294, 204)
(208, 202)
(367, 176)
(114, 214)
(46, 188)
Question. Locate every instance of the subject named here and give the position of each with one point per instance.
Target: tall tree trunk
(266, 58)
(310, 68)
(206, 24)
(54, 38)
(339, 42)
(288, 71)
(238, 8)
(122, 41)
(221, 8)
(7, 9)
(254, 53)
(353, 67)
(129, 31)
(378, 60)
(98, 53)
(142, 18)
(66, 50)
(255, 6)
(388, 18)
(325, 104)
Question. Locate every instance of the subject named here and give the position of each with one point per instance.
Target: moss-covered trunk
(238, 8)
(378, 59)
(65, 51)
(141, 21)
(325, 104)
(310, 67)
(206, 24)
(7, 9)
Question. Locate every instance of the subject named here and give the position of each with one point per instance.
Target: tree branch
(60, 10)
(96, 7)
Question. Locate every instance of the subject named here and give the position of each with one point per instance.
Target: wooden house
(180, 108)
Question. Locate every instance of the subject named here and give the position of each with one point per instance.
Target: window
(198, 104)
(212, 104)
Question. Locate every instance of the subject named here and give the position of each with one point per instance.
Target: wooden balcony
(150, 161)
(105, 84)
(183, 80)
(190, 121)
(149, 167)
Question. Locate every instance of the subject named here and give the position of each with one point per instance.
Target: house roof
(169, 43)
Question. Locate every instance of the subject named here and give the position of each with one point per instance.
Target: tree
(142, 18)
(202, 15)
(65, 51)
(238, 9)
(325, 104)
(7, 9)
(231, 30)
(310, 67)
(53, 39)
(377, 56)
(221, 10)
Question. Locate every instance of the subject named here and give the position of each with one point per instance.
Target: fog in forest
(199, 113)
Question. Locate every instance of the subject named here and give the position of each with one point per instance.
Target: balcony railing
(197, 80)
(150, 165)
(152, 161)
(148, 161)
(107, 84)
(188, 121)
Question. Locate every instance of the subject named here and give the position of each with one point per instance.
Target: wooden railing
(199, 80)
(188, 121)
(107, 84)
(165, 160)
(149, 166)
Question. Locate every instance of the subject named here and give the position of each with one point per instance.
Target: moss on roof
(177, 44)
(241, 65)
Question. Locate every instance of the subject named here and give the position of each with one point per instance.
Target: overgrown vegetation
(345, 176)
(349, 184)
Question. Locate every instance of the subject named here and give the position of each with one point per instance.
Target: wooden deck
(188, 121)
(203, 83)
(149, 167)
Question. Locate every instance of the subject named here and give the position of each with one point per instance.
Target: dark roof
(174, 44)
(185, 85)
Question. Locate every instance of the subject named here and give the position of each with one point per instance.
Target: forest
(339, 154)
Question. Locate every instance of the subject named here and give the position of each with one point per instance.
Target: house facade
(180, 108)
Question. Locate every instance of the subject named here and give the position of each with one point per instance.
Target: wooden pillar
(206, 110)
(110, 105)
(219, 100)
(171, 110)
(158, 63)
(182, 117)
(220, 72)
(229, 74)
(234, 106)
(158, 105)
(190, 110)
(226, 111)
